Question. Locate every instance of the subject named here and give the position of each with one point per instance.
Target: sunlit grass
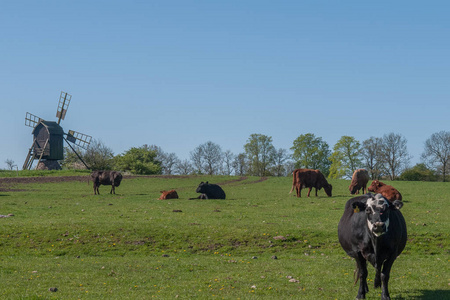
(260, 242)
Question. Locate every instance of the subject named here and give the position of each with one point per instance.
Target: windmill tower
(49, 137)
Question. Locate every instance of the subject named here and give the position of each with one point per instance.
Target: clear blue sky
(180, 73)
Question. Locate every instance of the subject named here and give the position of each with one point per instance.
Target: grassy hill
(260, 242)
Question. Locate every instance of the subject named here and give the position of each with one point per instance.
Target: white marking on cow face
(377, 209)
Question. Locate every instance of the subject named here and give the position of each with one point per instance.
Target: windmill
(49, 137)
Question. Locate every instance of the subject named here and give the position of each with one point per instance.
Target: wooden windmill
(49, 137)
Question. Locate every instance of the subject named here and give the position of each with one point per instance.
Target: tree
(260, 152)
(394, 154)
(10, 163)
(240, 164)
(311, 152)
(347, 150)
(419, 172)
(280, 158)
(337, 170)
(228, 158)
(97, 156)
(140, 161)
(371, 151)
(168, 160)
(437, 152)
(207, 158)
(184, 167)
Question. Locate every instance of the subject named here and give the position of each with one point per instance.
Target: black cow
(209, 191)
(372, 229)
(112, 178)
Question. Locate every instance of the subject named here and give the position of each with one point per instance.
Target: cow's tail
(356, 274)
(293, 182)
(292, 189)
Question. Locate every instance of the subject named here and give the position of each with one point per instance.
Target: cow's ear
(358, 206)
(206, 182)
(397, 204)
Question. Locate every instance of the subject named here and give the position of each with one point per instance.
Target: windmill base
(48, 165)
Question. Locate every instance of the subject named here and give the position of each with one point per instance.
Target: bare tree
(207, 158)
(394, 154)
(227, 167)
(437, 152)
(370, 151)
(10, 163)
(184, 167)
(168, 160)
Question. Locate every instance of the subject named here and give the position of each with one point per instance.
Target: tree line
(384, 157)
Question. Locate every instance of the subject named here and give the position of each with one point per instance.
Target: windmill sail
(80, 139)
(32, 120)
(63, 105)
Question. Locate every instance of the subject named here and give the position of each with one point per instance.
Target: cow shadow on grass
(428, 295)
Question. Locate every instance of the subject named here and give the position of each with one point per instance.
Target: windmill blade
(32, 120)
(63, 105)
(80, 139)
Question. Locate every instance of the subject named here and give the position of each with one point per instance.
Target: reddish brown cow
(172, 194)
(388, 191)
(359, 181)
(307, 178)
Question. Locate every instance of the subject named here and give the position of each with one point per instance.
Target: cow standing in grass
(112, 178)
(307, 178)
(360, 179)
(373, 229)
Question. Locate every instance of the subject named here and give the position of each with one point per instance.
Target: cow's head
(328, 188)
(202, 187)
(377, 209)
(353, 188)
(375, 186)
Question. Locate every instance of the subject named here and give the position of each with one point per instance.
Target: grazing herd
(372, 228)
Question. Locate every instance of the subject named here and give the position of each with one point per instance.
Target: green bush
(418, 173)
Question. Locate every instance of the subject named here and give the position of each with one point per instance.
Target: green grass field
(260, 242)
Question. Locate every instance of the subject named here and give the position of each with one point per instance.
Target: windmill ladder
(42, 153)
(30, 156)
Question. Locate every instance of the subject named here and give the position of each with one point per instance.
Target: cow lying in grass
(209, 191)
(388, 191)
(112, 178)
(172, 194)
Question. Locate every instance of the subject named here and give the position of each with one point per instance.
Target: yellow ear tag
(356, 210)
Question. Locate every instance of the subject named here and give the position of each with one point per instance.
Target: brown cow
(359, 181)
(112, 178)
(388, 191)
(307, 178)
(172, 194)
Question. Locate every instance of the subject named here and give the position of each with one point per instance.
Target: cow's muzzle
(379, 228)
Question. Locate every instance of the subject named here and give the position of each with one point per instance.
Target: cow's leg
(309, 191)
(96, 188)
(113, 190)
(385, 274)
(361, 266)
(298, 188)
(316, 192)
